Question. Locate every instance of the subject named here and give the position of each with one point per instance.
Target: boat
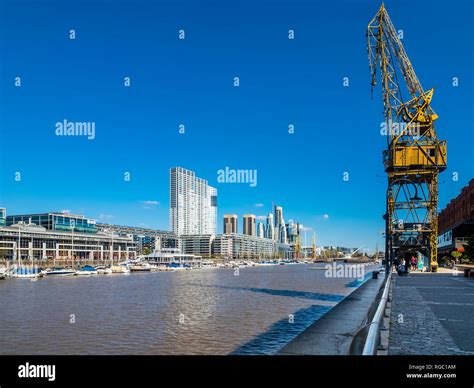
(104, 270)
(87, 270)
(266, 263)
(140, 267)
(207, 264)
(179, 266)
(59, 271)
(25, 272)
(161, 268)
(120, 268)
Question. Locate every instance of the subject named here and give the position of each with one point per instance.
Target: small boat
(119, 269)
(87, 270)
(25, 272)
(140, 267)
(59, 271)
(179, 266)
(103, 270)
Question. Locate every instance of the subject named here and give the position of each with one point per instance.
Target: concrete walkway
(432, 314)
(334, 333)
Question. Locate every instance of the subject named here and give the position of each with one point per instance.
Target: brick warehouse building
(456, 222)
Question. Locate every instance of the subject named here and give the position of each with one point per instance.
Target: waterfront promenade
(432, 314)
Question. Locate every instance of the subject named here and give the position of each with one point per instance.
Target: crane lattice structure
(414, 156)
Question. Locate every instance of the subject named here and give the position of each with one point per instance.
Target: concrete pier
(334, 333)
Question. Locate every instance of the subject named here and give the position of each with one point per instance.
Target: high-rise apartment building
(230, 223)
(193, 204)
(249, 224)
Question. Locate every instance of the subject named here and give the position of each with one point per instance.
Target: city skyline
(193, 211)
(190, 82)
(220, 229)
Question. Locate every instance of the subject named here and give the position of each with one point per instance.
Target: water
(208, 311)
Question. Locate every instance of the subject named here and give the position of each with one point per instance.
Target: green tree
(457, 255)
(146, 251)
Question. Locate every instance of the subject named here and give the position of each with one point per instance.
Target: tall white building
(193, 204)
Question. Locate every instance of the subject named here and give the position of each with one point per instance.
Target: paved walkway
(432, 314)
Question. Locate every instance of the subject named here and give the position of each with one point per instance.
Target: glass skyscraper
(270, 229)
(3, 216)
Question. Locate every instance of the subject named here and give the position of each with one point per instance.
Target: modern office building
(193, 204)
(223, 246)
(456, 222)
(58, 221)
(230, 223)
(278, 217)
(3, 216)
(260, 230)
(146, 239)
(197, 244)
(241, 246)
(270, 228)
(250, 225)
(292, 232)
(61, 236)
(282, 233)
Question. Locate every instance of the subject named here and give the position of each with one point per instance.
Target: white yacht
(59, 271)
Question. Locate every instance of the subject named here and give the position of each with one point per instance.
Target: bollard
(375, 274)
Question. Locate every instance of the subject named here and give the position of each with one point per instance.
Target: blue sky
(190, 81)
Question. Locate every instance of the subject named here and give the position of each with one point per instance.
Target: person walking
(396, 263)
(401, 269)
(413, 263)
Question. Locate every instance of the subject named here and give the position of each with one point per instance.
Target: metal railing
(373, 336)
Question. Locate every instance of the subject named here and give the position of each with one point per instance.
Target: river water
(207, 311)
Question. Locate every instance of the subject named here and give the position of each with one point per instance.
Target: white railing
(373, 336)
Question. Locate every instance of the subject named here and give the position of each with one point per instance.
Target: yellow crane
(414, 156)
(298, 247)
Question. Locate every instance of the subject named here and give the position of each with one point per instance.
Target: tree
(469, 248)
(457, 255)
(146, 251)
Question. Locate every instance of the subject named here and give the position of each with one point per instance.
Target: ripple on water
(140, 313)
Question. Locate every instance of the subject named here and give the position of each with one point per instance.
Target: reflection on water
(208, 311)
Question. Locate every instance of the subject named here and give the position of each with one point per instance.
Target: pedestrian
(401, 269)
(396, 263)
